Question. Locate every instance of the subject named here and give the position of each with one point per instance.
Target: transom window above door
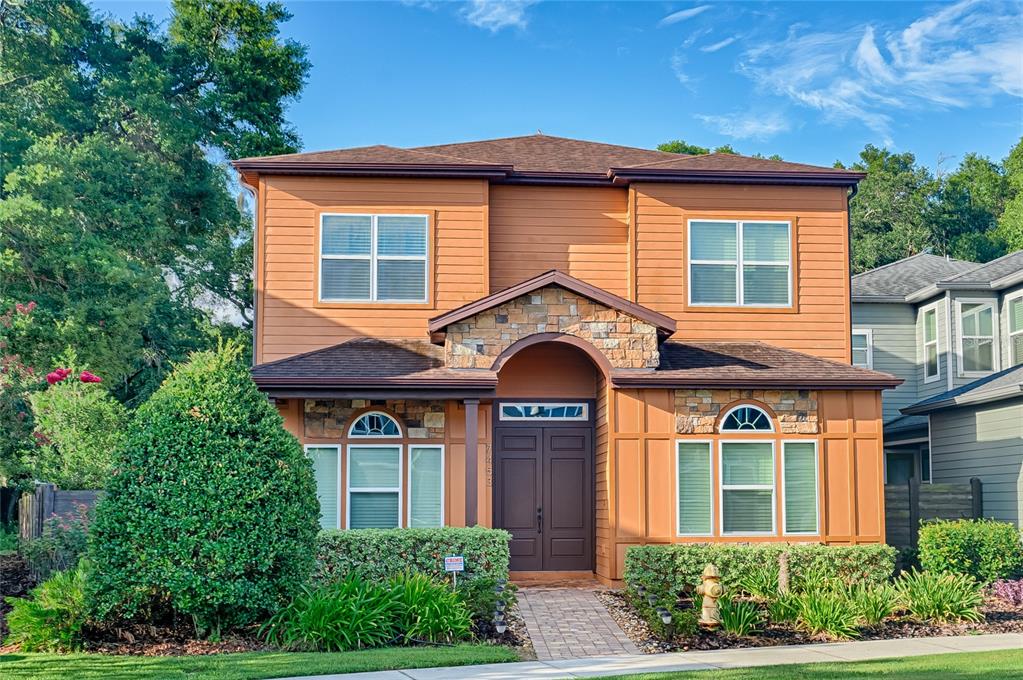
(373, 258)
(544, 412)
(740, 263)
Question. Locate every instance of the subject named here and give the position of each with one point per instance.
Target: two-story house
(589, 345)
(953, 332)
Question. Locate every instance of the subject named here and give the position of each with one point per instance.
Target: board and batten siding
(583, 231)
(984, 441)
(895, 349)
(290, 320)
(819, 324)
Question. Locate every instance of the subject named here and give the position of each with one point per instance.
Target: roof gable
(664, 324)
(902, 278)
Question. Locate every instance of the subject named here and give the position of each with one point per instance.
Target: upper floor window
(976, 337)
(1015, 322)
(740, 263)
(745, 419)
(931, 356)
(373, 258)
(863, 348)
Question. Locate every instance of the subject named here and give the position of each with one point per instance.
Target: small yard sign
(454, 564)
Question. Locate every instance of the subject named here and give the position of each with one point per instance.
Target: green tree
(887, 214)
(80, 428)
(684, 147)
(212, 513)
(117, 214)
(1010, 222)
(963, 211)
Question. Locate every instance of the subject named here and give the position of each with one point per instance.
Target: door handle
(539, 520)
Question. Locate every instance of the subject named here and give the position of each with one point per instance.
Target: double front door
(543, 495)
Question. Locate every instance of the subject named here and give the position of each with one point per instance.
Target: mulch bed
(146, 640)
(1000, 617)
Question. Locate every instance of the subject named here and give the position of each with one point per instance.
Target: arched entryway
(543, 458)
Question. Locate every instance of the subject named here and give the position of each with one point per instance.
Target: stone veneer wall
(625, 341)
(696, 411)
(331, 418)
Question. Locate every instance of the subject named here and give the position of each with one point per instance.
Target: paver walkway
(699, 661)
(567, 623)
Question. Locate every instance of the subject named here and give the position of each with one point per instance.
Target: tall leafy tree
(117, 214)
(1010, 222)
(964, 209)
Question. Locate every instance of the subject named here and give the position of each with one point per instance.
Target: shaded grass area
(247, 666)
(987, 665)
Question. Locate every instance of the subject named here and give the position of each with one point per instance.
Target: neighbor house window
(426, 486)
(799, 488)
(976, 337)
(863, 348)
(932, 365)
(373, 258)
(374, 486)
(747, 487)
(325, 471)
(1015, 320)
(740, 263)
(695, 491)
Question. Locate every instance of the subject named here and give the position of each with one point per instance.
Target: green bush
(671, 570)
(740, 617)
(430, 611)
(828, 613)
(940, 597)
(985, 549)
(212, 512)
(873, 603)
(52, 617)
(81, 425)
(380, 554)
(352, 613)
(61, 545)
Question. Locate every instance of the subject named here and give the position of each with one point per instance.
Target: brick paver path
(566, 623)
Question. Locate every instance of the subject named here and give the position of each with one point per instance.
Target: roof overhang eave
(649, 381)
(968, 399)
(627, 175)
(439, 170)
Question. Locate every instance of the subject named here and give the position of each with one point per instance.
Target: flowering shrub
(60, 546)
(79, 426)
(1010, 591)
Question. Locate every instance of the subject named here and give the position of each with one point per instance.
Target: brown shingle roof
(546, 159)
(751, 364)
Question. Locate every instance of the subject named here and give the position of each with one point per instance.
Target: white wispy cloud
(494, 15)
(747, 125)
(682, 15)
(678, 66)
(720, 45)
(959, 56)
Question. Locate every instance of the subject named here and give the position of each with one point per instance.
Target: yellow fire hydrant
(711, 589)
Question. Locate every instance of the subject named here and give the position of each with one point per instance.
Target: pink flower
(58, 375)
(87, 377)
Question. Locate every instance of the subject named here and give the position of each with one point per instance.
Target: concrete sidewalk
(700, 661)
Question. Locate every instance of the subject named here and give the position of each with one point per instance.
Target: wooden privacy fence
(49, 501)
(906, 505)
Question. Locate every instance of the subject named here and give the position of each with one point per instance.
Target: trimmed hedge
(985, 549)
(377, 554)
(675, 569)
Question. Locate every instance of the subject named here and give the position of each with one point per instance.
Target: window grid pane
(401, 279)
(345, 279)
(800, 465)
(374, 467)
(747, 464)
(714, 284)
(747, 511)
(764, 284)
(694, 493)
(713, 240)
(373, 510)
(346, 234)
(401, 235)
(426, 484)
(930, 326)
(765, 241)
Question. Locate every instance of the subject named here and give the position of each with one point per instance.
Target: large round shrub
(212, 512)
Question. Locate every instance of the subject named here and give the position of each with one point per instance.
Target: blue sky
(812, 81)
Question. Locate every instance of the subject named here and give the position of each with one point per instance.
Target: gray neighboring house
(948, 328)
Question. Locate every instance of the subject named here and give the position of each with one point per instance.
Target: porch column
(472, 408)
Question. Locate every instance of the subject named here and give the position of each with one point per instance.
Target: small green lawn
(988, 665)
(249, 666)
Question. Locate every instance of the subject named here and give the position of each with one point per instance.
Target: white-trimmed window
(799, 487)
(746, 418)
(374, 424)
(695, 509)
(374, 486)
(740, 263)
(373, 258)
(932, 357)
(426, 485)
(1014, 322)
(863, 347)
(326, 467)
(747, 487)
(977, 325)
(541, 411)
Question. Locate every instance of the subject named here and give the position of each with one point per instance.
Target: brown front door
(543, 495)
